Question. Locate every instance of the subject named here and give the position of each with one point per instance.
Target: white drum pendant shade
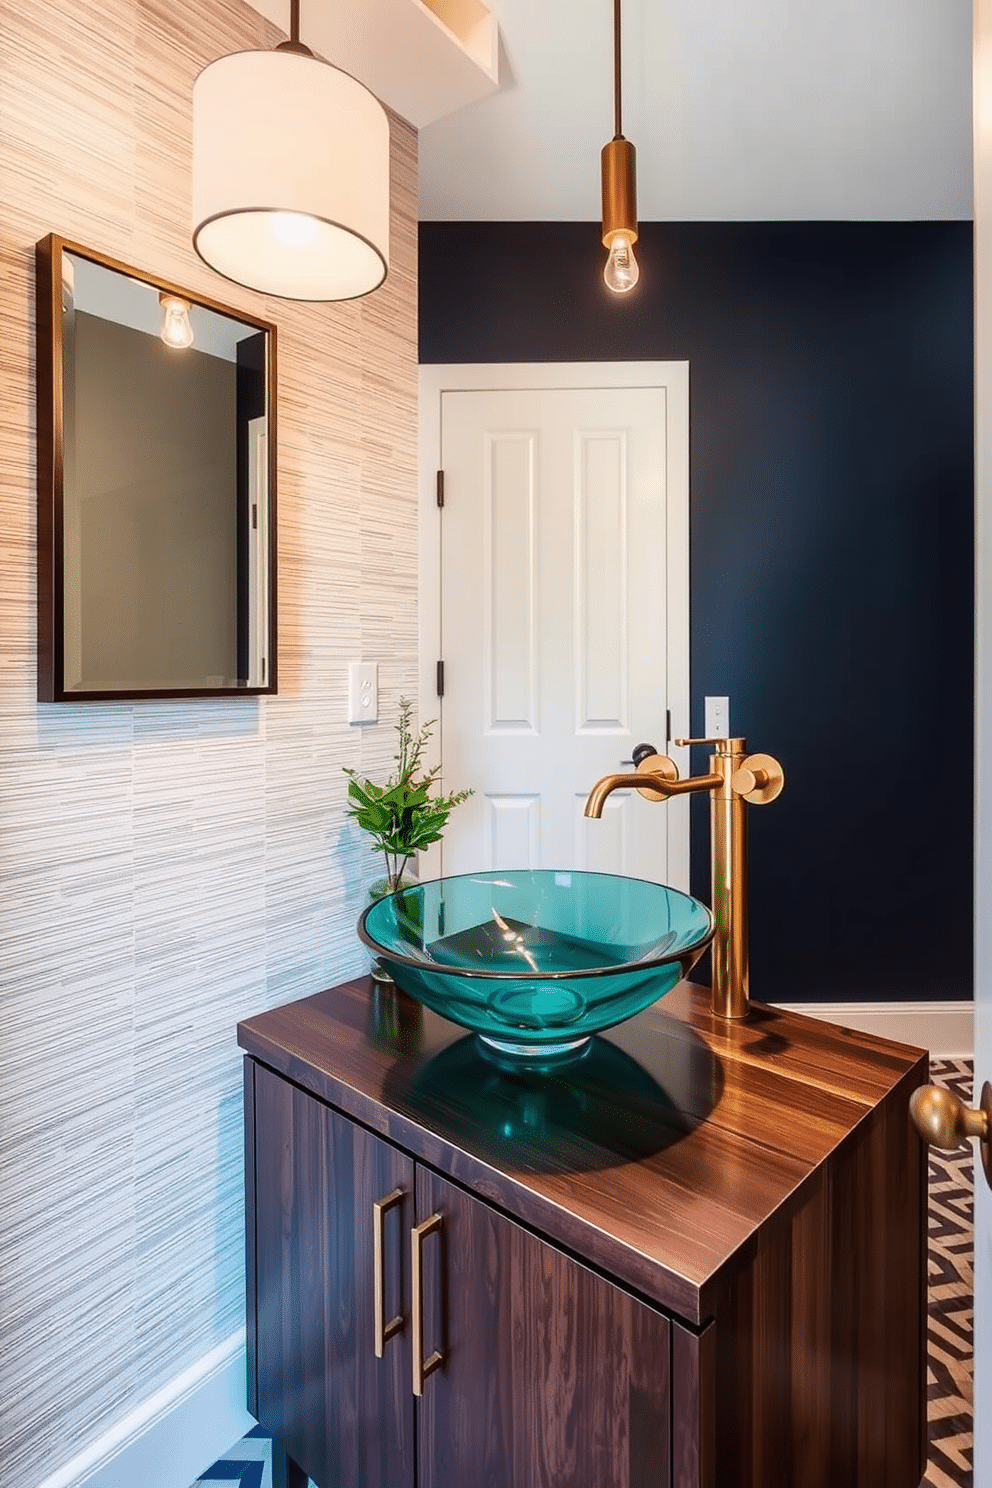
(290, 176)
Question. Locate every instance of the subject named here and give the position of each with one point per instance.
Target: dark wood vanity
(695, 1257)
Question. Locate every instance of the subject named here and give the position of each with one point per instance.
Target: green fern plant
(402, 817)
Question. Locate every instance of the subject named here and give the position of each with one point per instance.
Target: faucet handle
(759, 780)
(655, 764)
(724, 745)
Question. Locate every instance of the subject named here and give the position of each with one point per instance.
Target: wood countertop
(662, 1156)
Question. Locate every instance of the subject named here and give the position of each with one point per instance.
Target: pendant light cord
(293, 43)
(617, 127)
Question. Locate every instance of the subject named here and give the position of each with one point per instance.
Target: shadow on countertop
(598, 1109)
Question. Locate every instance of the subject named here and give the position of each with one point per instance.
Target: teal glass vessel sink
(535, 961)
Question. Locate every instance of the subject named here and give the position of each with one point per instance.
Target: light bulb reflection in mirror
(621, 272)
(176, 331)
(294, 228)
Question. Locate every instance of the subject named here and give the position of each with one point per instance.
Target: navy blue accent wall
(832, 551)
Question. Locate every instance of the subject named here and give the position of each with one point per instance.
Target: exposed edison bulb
(294, 228)
(176, 331)
(621, 272)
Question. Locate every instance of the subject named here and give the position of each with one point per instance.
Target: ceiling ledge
(424, 59)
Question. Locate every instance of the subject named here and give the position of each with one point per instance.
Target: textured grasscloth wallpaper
(166, 870)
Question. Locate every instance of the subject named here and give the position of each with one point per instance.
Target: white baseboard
(945, 1028)
(174, 1436)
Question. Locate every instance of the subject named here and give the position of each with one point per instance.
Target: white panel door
(554, 623)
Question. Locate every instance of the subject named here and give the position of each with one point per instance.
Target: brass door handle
(383, 1330)
(421, 1367)
(943, 1119)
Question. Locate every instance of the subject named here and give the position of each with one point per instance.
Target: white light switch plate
(717, 718)
(363, 692)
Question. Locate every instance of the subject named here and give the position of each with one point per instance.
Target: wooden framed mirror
(156, 486)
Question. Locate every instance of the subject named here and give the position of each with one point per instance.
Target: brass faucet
(734, 778)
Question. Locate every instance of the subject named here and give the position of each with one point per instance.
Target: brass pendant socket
(619, 190)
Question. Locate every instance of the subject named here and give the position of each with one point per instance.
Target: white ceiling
(739, 109)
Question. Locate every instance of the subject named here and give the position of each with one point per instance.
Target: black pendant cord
(617, 126)
(294, 20)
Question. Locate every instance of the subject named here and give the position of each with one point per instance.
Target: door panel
(599, 530)
(554, 571)
(552, 1378)
(508, 593)
(514, 830)
(605, 850)
(342, 1414)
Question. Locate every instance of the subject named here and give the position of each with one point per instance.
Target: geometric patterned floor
(248, 1464)
(251, 1463)
(951, 1285)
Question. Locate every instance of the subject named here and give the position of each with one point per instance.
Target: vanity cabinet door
(344, 1415)
(551, 1377)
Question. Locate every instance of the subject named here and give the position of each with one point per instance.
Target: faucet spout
(596, 799)
(651, 783)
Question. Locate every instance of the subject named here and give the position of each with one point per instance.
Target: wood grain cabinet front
(344, 1415)
(549, 1376)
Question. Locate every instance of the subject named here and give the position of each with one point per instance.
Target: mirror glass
(161, 571)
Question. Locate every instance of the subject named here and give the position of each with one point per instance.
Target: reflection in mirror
(157, 492)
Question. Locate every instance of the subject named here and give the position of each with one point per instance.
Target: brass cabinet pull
(383, 1330)
(942, 1118)
(421, 1367)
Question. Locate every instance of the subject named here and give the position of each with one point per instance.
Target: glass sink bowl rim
(439, 968)
(522, 1019)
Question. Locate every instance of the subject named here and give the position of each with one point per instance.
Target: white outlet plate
(363, 692)
(717, 718)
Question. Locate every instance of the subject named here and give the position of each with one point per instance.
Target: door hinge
(668, 727)
(440, 679)
(263, 668)
(440, 488)
(254, 515)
